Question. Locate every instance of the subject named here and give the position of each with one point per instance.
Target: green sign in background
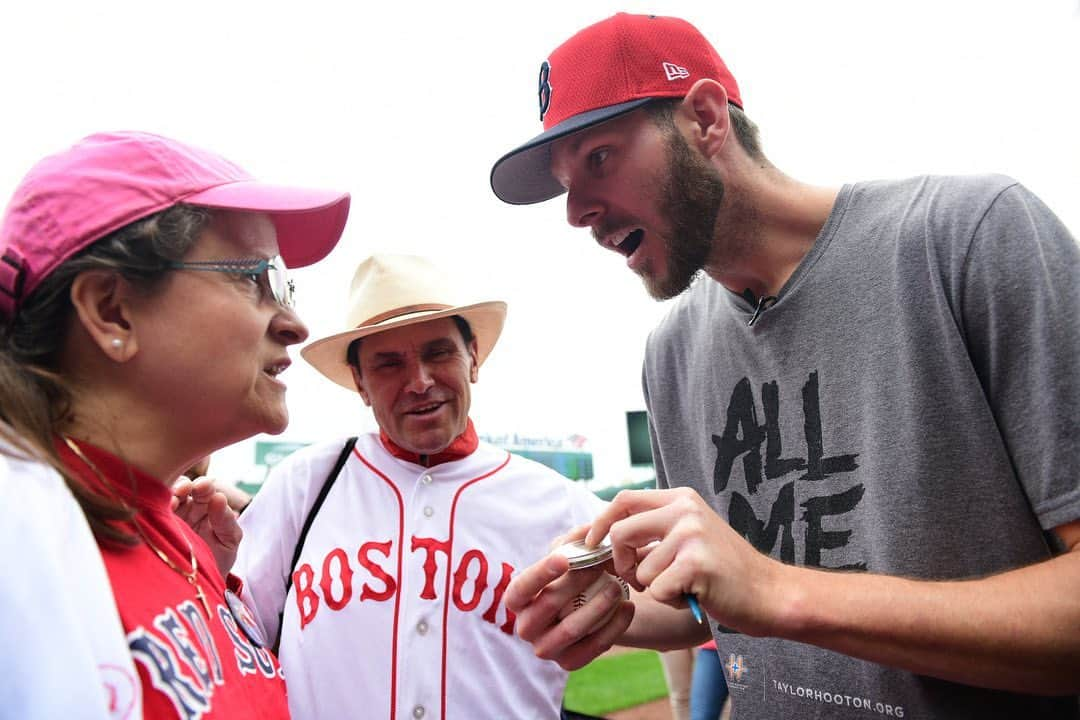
(269, 453)
(574, 465)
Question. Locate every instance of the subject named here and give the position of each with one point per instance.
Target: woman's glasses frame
(273, 269)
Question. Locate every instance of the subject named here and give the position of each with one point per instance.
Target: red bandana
(462, 446)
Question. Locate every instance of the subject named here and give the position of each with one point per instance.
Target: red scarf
(462, 446)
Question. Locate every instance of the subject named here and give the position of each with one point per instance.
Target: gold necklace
(193, 576)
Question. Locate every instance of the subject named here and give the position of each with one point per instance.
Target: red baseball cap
(106, 181)
(606, 70)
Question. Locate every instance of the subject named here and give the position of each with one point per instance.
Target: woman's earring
(117, 343)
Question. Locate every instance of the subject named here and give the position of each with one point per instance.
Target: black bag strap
(327, 484)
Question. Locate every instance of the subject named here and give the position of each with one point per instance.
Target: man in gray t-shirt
(864, 411)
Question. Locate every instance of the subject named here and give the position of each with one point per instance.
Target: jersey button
(422, 627)
(418, 712)
(426, 479)
(429, 511)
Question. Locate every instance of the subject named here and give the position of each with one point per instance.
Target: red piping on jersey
(449, 572)
(397, 591)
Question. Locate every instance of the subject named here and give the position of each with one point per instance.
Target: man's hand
(540, 592)
(674, 544)
(207, 511)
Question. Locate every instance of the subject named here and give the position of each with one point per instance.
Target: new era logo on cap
(675, 72)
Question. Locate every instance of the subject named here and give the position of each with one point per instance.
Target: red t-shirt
(189, 665)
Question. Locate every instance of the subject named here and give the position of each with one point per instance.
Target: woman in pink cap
(146, 317)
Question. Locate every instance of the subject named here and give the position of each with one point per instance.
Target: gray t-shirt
(909, 406)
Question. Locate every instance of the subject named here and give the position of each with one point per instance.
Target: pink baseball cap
(606, 70)
(106, 181)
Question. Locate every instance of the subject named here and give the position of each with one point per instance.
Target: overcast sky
(407, 105)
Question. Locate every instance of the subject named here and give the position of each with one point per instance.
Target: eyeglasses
(273, 269)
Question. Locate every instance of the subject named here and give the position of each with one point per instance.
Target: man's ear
(474, 354)
(101, 299)
(704, 115)
(359, 385)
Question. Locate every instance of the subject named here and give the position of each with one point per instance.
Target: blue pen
(695, 608)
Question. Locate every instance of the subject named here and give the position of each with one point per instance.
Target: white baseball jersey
(396, 609)
(64, 651)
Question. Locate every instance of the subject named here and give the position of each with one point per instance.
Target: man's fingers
(626, 504)
(182, 488)
(579, 622)
(632, 539)
(202, 489)
(589, 648)
(564, 624)
(656, 559)
(528, 584)
(541, 615)
(620, 507)
(190, 512)
(587, 631)
(648, 526)
(569, 536)
(223, 520)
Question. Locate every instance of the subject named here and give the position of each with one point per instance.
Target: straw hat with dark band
(391, 291)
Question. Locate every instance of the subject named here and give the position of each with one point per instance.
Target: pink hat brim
(309, 222)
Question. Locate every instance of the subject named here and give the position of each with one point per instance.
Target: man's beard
(690, 198)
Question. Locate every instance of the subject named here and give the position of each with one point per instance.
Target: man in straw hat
(382, 564)
(879, 379)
